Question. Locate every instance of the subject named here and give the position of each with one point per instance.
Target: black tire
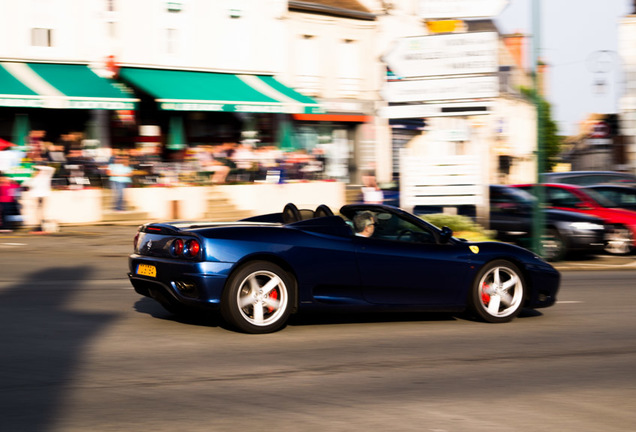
(498, 292)
(258, 298)
(553, 245)
(618, 240)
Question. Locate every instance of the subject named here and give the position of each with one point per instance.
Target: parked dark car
(621, 196)
(260, 270)
(620, 238)
(565, 232)
(587, 178)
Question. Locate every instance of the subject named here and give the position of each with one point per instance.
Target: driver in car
(364, 224)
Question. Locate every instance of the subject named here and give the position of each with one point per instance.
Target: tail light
(136, 241)
(187, 249)
(192, 248)
(177, 247)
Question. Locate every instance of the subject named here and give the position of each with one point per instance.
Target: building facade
(324, 76)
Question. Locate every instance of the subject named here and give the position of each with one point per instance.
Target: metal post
(539, 191)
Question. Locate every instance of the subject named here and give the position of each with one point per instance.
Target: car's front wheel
(258, 298)
(498, 292)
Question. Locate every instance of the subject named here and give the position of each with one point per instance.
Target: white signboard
(599, 141)
(435, 110)
(447, 54)
(440, 89)
(449, 9)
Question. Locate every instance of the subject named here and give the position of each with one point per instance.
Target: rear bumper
(196, 284)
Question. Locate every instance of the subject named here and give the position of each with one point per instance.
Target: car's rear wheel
(498, 292)
(552, 245)
(258, 298)
(618, 240)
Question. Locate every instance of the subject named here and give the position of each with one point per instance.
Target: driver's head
(364, 223)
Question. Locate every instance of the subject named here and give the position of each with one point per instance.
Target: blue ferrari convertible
(259, 270)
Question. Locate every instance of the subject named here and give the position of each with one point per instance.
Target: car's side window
(392, 227)
(563, 198)
(628, 198)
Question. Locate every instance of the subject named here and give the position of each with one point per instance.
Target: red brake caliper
(274, 296)
(485, 297)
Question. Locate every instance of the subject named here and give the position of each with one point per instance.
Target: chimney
(542, 75)
(516, 45)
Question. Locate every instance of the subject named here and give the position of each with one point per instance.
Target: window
(389, 226)
(307, 70)
(348, 68)
(172, 41)
(42, 37)
(562, 198)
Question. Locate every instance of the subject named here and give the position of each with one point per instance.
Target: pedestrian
(40, 188)
(8, 202)
(120, 176)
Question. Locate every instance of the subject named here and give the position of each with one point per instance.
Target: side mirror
(445, 235)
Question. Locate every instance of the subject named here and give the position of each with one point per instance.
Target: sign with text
(448, 9)
(448, 54)
(449, 109)
(439, 89)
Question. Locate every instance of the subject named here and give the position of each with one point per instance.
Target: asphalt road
(81, 351)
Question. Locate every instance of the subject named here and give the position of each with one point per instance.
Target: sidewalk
(124, 231)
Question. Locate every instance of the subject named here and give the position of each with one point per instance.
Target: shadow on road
(193, 317)
(43, 342)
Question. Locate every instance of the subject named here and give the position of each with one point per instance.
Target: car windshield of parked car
(622, 197)
(589, 178)
(601, 199)
(510, 199)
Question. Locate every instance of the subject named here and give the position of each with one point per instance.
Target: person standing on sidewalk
(40, 188)
(120, 174)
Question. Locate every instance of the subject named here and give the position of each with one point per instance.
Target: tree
(549, 131)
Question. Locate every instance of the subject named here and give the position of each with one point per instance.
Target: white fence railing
(443, 181)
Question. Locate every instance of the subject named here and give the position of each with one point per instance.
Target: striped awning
(178, 90)
(64, 86)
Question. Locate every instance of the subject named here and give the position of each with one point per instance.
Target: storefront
(60, 102)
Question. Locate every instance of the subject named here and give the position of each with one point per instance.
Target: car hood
(570, 216)
(615, 215)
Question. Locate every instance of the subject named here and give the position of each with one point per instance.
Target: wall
(86, 206)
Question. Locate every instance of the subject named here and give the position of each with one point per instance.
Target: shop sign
(478, 87)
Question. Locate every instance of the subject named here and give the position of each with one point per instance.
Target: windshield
(600, 199)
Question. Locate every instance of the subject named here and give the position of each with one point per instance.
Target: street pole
(539, 191)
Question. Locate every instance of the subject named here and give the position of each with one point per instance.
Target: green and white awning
(177, 90)
(65, 86)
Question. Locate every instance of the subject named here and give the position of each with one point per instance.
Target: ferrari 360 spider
(258, 271)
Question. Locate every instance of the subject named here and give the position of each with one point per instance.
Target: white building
(221, 68)
(627, 103)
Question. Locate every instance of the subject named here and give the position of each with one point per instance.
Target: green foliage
(462, 226)
(548, 134)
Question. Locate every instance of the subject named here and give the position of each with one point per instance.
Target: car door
(510, 213)
(402, 264)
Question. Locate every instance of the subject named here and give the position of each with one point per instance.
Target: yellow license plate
(147, 270)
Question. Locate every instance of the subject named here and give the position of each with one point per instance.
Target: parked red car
(621, 235)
